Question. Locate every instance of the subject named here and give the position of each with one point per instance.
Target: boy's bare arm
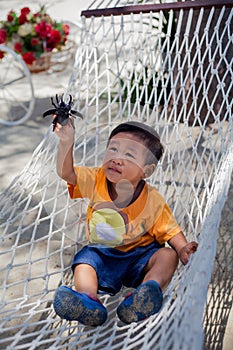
(182, 247)
(65, 166)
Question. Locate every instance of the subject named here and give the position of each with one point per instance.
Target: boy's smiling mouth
(114, 169)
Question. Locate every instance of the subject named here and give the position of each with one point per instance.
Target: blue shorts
(115, 268)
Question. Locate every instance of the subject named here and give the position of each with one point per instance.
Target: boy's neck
(123, 193)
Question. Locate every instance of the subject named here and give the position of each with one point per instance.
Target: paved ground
(17, 143)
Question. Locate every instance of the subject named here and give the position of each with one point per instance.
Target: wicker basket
(56, 60)
(40, 64)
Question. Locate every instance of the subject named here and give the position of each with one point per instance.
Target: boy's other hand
(186, 251)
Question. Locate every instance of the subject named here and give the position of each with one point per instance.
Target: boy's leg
(81, 305)
(147, 299)
(161, 267)
(85, 279)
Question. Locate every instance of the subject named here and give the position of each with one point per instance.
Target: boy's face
(125, 159)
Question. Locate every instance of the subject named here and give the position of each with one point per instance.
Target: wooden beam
(175, 6)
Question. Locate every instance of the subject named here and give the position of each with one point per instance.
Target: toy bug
(62, 111)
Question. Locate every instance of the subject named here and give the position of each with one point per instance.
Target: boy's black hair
(147, 134)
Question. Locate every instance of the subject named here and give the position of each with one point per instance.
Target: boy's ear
(149, 169)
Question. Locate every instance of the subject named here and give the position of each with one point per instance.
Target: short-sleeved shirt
(145, 220)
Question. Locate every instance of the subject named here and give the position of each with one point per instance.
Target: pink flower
(53, 39)
(43, 29)
(28, 57)
(18, 47)
(3, 35)
(31, 34)
(66, 29)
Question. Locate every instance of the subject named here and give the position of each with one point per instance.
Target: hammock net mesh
(171, 68)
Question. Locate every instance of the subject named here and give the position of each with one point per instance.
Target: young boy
(128, 223)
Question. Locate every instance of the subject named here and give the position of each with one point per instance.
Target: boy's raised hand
(66, 133)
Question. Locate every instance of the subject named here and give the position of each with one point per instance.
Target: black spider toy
(62, 111)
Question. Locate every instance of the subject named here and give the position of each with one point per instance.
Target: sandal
(143, 302)
(74, 306)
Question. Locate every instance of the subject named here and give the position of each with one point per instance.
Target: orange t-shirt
(142, 222)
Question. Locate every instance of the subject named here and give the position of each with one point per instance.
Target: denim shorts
(115, 268)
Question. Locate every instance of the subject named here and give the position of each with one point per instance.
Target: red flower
(25, 11)
(34, 41)
(10, 16)
(1, 54)
(3, 35)
(43, 29)
(28, 57)
(18, 47)
(23, 18)
(55, 36)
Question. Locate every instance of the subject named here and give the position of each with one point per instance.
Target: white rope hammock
(173, 70)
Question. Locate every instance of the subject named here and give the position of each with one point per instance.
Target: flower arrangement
(32, 34)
